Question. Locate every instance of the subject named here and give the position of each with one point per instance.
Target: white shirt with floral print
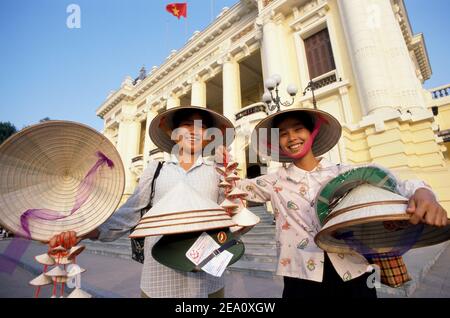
(292, 192)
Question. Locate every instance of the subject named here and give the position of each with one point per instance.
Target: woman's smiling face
(293, 135)
(191, 137)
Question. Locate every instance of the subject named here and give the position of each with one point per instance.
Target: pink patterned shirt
(292, 192)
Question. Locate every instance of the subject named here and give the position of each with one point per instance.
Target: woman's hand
(69, 239)
(64, 239)
(424, 208)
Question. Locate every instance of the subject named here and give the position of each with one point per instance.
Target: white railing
(440, 92)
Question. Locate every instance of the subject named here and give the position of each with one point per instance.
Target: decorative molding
(309, 14)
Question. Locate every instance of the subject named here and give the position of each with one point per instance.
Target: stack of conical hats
(182, 210)
(56, 270)
(234, 197)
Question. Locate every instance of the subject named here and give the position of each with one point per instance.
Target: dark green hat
(171, 250)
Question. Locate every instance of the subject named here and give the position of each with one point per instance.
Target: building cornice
(186, 56)
(415, 43)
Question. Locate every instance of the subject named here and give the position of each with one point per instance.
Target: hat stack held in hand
(234, 198)
(64, 269)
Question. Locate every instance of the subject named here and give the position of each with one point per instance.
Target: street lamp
(273, 101)
(311, 87)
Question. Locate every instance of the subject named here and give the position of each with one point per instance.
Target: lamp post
(311, 87)
(272, 98)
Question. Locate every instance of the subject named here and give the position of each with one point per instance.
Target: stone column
(407, 87)
(172, 101)
(128, 143)
(198, 93)
(109, 133)
(276, 50)
(362, 22)
(232, 100)
(148, 145)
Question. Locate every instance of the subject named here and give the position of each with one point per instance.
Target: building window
(319, 54)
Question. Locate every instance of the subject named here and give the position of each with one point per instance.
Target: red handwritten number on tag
(194, 254)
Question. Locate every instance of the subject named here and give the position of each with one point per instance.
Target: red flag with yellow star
(177, 9)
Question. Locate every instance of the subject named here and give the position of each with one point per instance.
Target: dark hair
(182, 114)
(306, 119)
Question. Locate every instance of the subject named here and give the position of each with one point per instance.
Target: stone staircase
(120, 248)
(260, 250)
(260, 256)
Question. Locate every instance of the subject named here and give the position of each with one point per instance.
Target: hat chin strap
(307, 146)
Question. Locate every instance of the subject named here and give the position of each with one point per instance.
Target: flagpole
(186, 24)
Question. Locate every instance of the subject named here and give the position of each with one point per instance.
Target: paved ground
(436, 284)
(113, 277)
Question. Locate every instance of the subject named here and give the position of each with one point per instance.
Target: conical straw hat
(328, 136)
(56, 272)
(44, 259)
(57, 166)
(75, 251)
(375, 219)
(75, 270)
(227, 204)
(222, 171)
(41, 280)
(232, 165)
(182, 199)
(236, 193)
(225, 184)
(182, 210)
(245, 218)
(232, 177)
(56, 250)
(63, 260)
(79, 293)
(162, 126)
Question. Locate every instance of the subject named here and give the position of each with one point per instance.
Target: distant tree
(6, 130)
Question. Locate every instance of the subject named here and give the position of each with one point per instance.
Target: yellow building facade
(367, 66)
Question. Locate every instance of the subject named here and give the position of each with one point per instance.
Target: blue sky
(49, 70)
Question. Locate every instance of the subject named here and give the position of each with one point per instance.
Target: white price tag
(202, 248)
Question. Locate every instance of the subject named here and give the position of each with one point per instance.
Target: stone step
(107, 251)
(266, 245)
(260, 255)
(264, 270)
(115, 245)
(270, 234)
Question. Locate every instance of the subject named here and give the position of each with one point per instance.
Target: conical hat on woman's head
(327, 137)
(162, 126)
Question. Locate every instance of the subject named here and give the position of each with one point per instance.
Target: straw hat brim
(328, 136)
(42, 166)
(162, 125)
(344, 182)
(372, 233)
(186, 226)
(171, 250)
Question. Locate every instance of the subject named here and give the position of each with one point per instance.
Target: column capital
(128, 113)
(226, 58)
(195, 78)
